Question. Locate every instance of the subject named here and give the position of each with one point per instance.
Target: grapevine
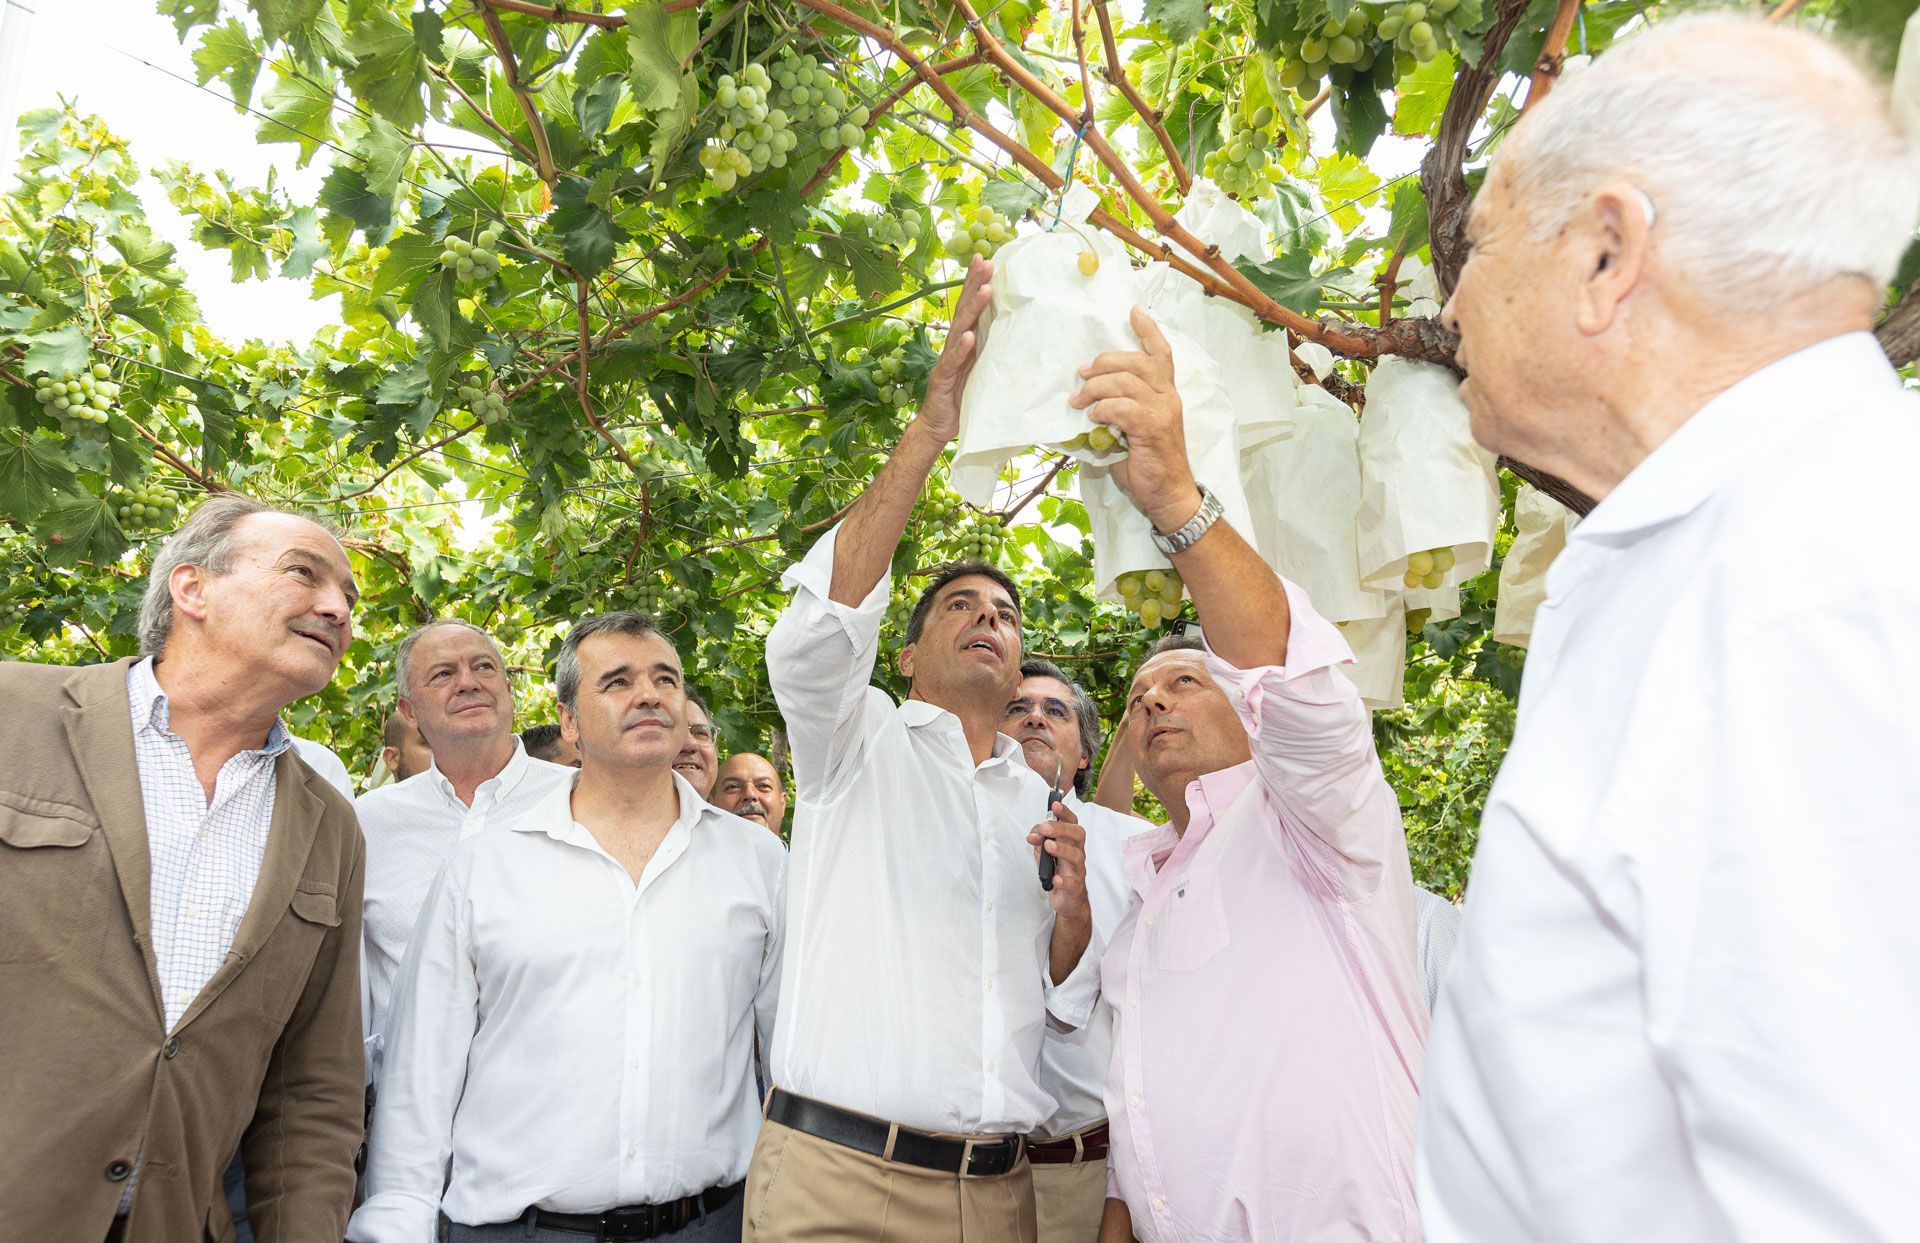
(981, 231)
(472, 261)
(147, 505)
(1154, 594)
(81, 400)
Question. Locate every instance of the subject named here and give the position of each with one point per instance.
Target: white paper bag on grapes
(1048, 318)
(1217, 220)
(1122, 536)
(1429, 496)
(1541, 526)
(1252, 365)
(1379, 665)
(1304, 496)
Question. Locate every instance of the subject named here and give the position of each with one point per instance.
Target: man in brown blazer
(180, 909)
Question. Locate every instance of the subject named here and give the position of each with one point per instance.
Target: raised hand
(1064, 839)
(1134, 393)
(940, 411)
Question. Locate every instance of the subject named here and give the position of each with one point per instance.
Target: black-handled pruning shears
(1054, 795)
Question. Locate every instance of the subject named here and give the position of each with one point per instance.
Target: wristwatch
(1189, 535)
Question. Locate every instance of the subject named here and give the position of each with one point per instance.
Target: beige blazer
(269, 1054)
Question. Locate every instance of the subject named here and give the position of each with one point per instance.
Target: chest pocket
(52, 870)
(1190, 928)
(285, 961)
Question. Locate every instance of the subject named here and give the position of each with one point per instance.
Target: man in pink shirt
(1268, 1014)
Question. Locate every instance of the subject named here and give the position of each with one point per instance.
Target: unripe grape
(1102, 439)
(1443, 558)
(850, 135)
(1151, 610)
(1420, 564)
(1155, 580)
(1089, 263)
(1344, 50)
(1420, 32)
(1313, 50)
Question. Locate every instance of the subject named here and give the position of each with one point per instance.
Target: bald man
(750, 787)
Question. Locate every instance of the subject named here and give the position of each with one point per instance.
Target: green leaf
(1421, 96)
(1296, 217)
(308, 246)
(140, 249)
(410, 257)
(588, 235)
(1407, 231)
(593, 106)
(875, 271)
(299, 111)
(432, 310)
(187, 14)
(345, 193)
(1346, 186)
(229, 53)
(280, 19)
(386, 151)
(657, 44)
(391, 72)
(1009, 197)
(1359, 118)
(31, 471)
(1291, 281)
(79, 527)
(1181, 19)
(60, 351)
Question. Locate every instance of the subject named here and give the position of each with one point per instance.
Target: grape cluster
(660, 599)
(1100, 440)
(890, 377)
(901, 232)
(147, 505)
(1417, 621)
(805, 89)
(941, 508)
(1154, 594)
(1428, 569)
(982, 231)
(489, 405)
(81, 400)
(761, 114)
(1240, 166)
(1385, 40)
(473, 260)
(983, 541)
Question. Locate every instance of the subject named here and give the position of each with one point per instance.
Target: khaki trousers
(803, 1189)
(1069, 1200)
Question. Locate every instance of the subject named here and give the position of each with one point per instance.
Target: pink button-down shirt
(1268, 1015)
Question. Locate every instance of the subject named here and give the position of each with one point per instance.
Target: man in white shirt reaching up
(1685, 999)
(1057, 726)
(923, 955)
(574, 1026)
(454, 690)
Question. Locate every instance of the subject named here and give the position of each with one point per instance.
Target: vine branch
(497, 32)
(1154, 117)
(1553, 53)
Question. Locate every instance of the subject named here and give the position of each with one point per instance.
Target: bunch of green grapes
(147, 505)
(1427, 569)
(484, 402)
(897, 232)
(1154, 594)
(81, 400)
(753, 134)
(1099, 439)
(1417, 621)
(1386, 41)
(982, 541)
(473, 260)
(660, 599)
(804, 89)
(981, 231)
(941, 508)
(890, 377)
(1241, 165)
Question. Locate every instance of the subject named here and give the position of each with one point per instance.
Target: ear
(406, 711)
(906, 661)
(390, 756)
(569, 725)
(1613, 238)
(188, 587)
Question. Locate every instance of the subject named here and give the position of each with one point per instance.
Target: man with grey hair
(1684, 1003)
(571, 1052)
(454, 690)
(180, 906)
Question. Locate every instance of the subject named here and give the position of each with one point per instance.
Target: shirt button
(1133, 1002)
(633, 1154)
(1149, 921)
(989, 904)
(991, 1068)
(1159, 1206)
(173, 1046)
(1134, 1100)
(989, 985)
(117, 1171)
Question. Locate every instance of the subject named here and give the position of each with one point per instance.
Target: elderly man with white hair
(1685, 1004)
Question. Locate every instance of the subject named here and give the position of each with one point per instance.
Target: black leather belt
(982, 1157)
(641, 1221)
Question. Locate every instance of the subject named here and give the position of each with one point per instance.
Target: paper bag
(1541, 525)
(1425, 484)
(1251, 364)
(1380, 657)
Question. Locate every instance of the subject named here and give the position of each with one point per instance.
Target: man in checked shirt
(1268, 1014)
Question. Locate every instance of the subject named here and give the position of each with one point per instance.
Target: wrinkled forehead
(751, 768)
(1040, 687)
(1158, 667)
(978, 586)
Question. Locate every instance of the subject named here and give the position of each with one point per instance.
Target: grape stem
(1117, 75)
(1554, 52)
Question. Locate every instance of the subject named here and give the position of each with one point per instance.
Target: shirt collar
(504, 780)
(553, 814)
(1208, 798)
(918, 713)
(148, 701)
(1777, 401)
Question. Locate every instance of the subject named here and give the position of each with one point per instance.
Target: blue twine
(1073, 152)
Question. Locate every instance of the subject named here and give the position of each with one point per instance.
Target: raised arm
(1241, 603)
(874, 525)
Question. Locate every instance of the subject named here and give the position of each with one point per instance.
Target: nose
(334, 605)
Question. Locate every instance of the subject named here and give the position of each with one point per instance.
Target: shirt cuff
(813, 574)
(394, 1217)
(1072, 1000)
(1313, 644)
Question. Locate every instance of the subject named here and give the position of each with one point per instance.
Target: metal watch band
(1196, 526)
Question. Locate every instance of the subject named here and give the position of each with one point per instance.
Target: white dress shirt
(1685, 1005)
(328, 766)
(411, 828)
(917, 979)
(1439, 938)
(1073, 1063)
(569, 1038)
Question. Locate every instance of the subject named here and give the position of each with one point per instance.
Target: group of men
(973, 1004)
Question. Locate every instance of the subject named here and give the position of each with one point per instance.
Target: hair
(1182, 642)
(1766, 185)
(917, 622)
(693, 697)
(393, 731)
(403, 655)
(566, 669)
(541, 741)
(1091, 731)
(207, 539)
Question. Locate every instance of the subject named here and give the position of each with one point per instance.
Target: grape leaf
(593, 106)
(58, 351)
(345, 193)
(308, 246)
(140, 249)
(1291, 281)
(1407, 230)
(1181, 19)
(1359, 118)
(80, 527)
(187, 14)
(228, 52)
(31, 471)
(657, 44)
(1421, 96)
(298, 110)
(588, 235)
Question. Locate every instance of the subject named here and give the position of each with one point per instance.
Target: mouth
(648, 723)
(321, 640)
(1160, 731)
(689, 766)
(983, 645)
(750, 811)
